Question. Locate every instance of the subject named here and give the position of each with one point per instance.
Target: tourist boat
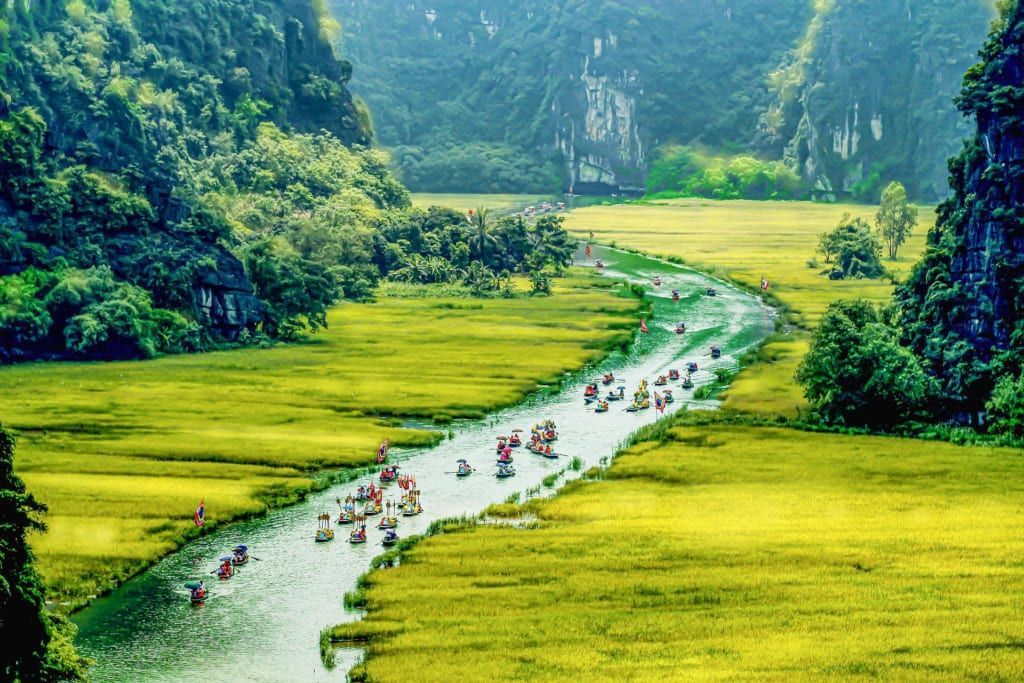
(616, 396)
(691, 367)
(347, 515)
(687, 383)
(657, 281)
(673, 375)
(668, 397)
(680, 328)
(711, 291)
(661, 381)
(505, 471)
(390, 538)
(675, 295)
(463, 469)
(324, 532)
(412, 505)
(390, 520)
(197, 592)
(389, 474)
(716, 352)
(599, 264)
(372, 508)
(358, 534)
(240, 555)
(515, 441)
(590, 390)
(362, 494)
(226, 570)
(609, 378)
(602, 407)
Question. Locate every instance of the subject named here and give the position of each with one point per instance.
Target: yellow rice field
(726, 553)
(123, 452)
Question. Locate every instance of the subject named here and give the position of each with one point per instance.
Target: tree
(26, 632)
(855, 247)
(896, 217)
(482, 241)
(858, 375)
(1006, 408)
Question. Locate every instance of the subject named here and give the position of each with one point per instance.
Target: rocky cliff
(853, 93)
(964, 305)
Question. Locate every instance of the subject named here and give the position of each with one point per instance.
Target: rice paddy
(123, 452)
(725, 552)
(463, 202)
(745, 241)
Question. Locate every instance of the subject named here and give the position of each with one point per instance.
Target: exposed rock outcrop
(964, 305)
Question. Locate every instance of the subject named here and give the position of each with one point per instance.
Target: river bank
(720, 546)
(124, 452)
(146, 629)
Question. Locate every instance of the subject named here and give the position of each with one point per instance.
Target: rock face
(225, 300)
(853, 93)
(964, 305)
(867, 96)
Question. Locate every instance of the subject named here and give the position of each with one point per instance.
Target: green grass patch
(123, 452)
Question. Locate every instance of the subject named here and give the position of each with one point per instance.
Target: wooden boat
(390, 520)
(390, 538)
(601, 407)
(657, 282)
(609, 378)
(198, 592)
(691, 367)
(358, 534)
(324, 532)
(240, 555)
(463, 470)
(412, 504)
(612, 396)
(673, 375)
(668, 397)
(505, 472)
(711, 291)
(680, 329)
(372, 508)
(661, 381)
(688, 383)
(716, 352)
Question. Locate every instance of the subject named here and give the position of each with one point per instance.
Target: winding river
(264, 624)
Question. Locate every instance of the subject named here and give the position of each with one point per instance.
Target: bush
(1006, 408)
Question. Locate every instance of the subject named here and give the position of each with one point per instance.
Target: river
(264, 624)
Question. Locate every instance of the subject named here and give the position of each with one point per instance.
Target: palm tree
(483, 239)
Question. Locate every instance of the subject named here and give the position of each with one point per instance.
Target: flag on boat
(643, 326)
(370, 492)
(200, 516)
(587, 251)
(765, 284)
(382, 452)
(659, 402)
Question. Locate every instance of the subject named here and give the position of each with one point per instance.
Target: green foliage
(36, 648)
(896, 218)
(855, 248)
(858, 375)
(681, 171)
(1006, 408)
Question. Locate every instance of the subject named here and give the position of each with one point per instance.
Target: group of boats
(368, 502)
(198, 591)
(542, 435)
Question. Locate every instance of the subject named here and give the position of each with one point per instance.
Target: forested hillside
(182, 175)
(523, 95)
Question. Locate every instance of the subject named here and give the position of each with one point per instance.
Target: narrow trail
(264, 624)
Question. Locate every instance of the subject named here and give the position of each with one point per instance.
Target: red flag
(659, 402)
(643, 327)
(765, 284)
(200, 515)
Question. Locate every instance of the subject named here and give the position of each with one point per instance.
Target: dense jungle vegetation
(181, 175)
(532, 96)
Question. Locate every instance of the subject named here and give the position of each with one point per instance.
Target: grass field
(123, 452)
(745, 241)
(726, 553)
(463, 202)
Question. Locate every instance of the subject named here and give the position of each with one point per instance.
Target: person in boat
(507, 452)
(680, 328)
(675, 295)
(240, 554)
(547, 450)
(590, 390)
(225, 571)
(673, 375)
(390, 536)
(515, 441)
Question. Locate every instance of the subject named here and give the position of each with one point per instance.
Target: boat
(358, 533)
(657, 281)
(711, 291)
(463, 469)
(687, 383)
(412, 505)
(389, 520)
(673, 375)
(661, 381)
(616, 396)
(324, 532)
(505, 471)
(668, 397)
(372, 508)
(389, 474)
(590, 390)
(240, 555)
(716, 352)
(515, 441)
(680, 328)
(390, 538)
(550, 456)
(608, 378)
(226, 570)
(347, 513)
(197, 592)
(599, 264)
(691, 367)
(675, 295)
(602, 407)
(362, 494)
